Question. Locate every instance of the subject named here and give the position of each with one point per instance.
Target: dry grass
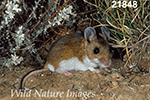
(130, 27)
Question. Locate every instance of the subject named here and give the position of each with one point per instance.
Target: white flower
(16, 1)
(9, 5)
(20, 30)
(19, 37)
(57, 20)
(12, 6)
(16, 8)
(7, 20)
(16, 59)
(10, 14)
(63, 15)
(22, 37)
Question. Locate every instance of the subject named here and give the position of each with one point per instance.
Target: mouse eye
(96, 50)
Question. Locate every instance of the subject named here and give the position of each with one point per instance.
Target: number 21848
(124, 4)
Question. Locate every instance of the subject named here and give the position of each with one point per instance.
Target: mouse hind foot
(63, 72)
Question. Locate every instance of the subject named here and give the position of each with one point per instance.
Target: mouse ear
(105, 32)
(89, 34)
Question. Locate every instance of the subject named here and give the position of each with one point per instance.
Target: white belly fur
(74, 64)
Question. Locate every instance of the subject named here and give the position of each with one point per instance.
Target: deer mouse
(77, 51)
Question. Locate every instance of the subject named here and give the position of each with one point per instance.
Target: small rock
(114, 83)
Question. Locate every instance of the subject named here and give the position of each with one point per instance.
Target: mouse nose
(105, 62)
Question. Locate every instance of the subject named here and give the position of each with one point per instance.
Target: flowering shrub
(9, 12)
(21, 23)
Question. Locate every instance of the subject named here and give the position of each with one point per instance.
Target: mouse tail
(28, 75)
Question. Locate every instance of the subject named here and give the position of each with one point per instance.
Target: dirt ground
(121, 83)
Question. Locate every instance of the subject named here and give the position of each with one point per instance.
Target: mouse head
(97, 47)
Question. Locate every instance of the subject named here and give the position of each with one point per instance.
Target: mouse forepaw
(94, 70)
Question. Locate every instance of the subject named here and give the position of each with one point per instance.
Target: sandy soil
(119, 84)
